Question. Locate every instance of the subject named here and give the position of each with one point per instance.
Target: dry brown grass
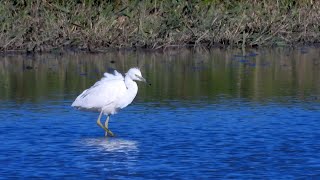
(43, 25)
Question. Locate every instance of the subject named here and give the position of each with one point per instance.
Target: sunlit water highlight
(221, 118)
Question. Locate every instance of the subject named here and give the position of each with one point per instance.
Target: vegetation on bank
(44, 25)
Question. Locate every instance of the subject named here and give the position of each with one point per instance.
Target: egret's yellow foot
(109, 133)
(106, 129)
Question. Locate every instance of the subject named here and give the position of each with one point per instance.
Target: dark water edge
(254, 74)
(201, 47)
(223, 114)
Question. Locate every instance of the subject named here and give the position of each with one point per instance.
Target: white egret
(112, 93)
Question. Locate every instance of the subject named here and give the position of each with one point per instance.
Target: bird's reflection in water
(112, 144)
(109, 155)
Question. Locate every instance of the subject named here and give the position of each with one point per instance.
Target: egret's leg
(103, 127)
(106, 125)
(99, 122)
(106, 129)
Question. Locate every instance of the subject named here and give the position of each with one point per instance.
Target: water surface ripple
(220, 120)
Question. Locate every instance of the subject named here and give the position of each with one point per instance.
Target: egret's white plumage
(111, 93)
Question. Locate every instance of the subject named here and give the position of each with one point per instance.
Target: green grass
(94, 25)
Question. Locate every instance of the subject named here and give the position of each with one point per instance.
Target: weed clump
(45, 25)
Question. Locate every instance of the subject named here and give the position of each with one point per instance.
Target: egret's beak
(143, 80)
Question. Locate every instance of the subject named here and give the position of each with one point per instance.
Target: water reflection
(257, 75)
(112, 144)
(209, 115)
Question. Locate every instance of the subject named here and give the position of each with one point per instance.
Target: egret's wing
(112, 76)
(103, 93)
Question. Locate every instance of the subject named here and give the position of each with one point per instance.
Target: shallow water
(219, 114)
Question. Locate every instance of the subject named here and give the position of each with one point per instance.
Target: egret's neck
(132, 90)
(131, 85)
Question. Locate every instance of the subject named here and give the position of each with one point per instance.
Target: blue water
(212, 115)
(230, 138)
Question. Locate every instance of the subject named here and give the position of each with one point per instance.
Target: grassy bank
(44, 25)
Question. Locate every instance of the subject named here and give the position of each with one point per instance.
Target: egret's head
(135, 74)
